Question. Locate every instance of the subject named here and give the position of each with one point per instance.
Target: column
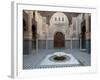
(29, 33)
(87, 22)
(46, 36)
(71, 42)
(79, 24)
(79, 28)
(30, 30)
(71, 30)
(80, 42)
(87, 25)
(87, 33)
(37, 32)
(37, 43)
(30, 16)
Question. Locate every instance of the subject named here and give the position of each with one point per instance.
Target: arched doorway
(59, 40)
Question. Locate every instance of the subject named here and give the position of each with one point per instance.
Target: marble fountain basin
(59, 59)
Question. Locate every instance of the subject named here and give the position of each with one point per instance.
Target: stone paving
(33, 60)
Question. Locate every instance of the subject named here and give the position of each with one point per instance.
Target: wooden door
(59, 40)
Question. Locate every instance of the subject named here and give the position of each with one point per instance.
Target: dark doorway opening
(24, 25)
(83, 33)
(33, 31)
(34, 36)
(59, 40)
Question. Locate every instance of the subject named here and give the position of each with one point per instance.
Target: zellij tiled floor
(35, 59)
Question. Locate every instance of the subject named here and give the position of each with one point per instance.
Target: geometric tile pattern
(34, 59)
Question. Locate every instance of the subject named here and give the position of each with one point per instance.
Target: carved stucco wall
(47, 26)
(50, 23)
(58, 23)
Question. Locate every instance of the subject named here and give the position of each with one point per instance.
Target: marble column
(46, 36)
(29, 38)
(87, 22)
(37, 32)
(87, 33)
(80, 41)
(71, 42)
(30, 16)
(79, 29)
(79, 24)
(37, 43)
(71, 37)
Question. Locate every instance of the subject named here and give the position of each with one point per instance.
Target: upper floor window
(55, 19)
(59, 18)
(62, 19)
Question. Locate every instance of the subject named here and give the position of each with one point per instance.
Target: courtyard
(35, 59)
(53, 39)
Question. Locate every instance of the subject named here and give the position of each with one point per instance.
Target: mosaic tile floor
(34, 60)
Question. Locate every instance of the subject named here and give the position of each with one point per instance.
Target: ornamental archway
(59, 40)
